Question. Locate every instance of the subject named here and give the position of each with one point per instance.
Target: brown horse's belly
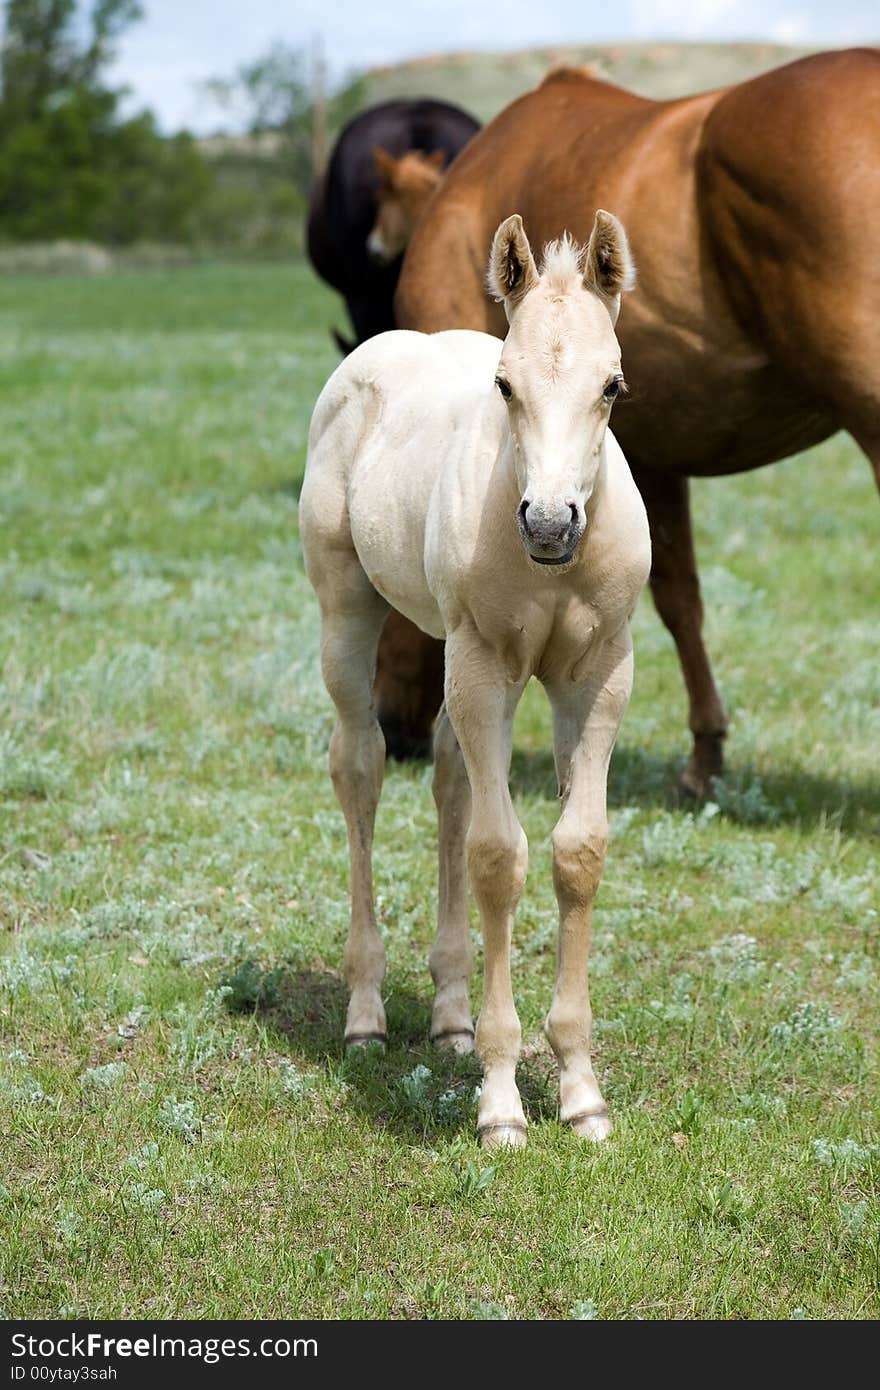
(706, 408)
(714, 448)
(754, 445)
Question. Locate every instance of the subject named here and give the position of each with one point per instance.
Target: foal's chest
(577, 627)
(551, 639)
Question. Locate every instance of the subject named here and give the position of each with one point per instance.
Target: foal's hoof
(456, 1039)
(594, 1125)
(510, 1135)
(359, 1041)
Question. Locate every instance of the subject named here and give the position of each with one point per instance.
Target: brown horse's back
(749, 213)
(575, 144)
(789, 176)
(523, 166)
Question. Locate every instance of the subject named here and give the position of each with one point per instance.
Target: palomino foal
(477, 489)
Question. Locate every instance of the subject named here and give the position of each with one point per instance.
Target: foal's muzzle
(550, 529)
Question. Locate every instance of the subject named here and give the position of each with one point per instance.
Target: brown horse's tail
(345, 345)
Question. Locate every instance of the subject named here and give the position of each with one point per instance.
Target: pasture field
(181, 1134)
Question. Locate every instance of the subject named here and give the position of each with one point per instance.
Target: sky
(179, 44)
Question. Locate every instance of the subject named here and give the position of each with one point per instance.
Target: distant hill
(483, 83)
(259, 209)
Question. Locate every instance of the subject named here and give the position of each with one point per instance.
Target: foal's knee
(497, 863)
(357, 760)
(578, 856)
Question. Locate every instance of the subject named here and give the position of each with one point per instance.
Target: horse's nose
(547, 520)
(376, 248)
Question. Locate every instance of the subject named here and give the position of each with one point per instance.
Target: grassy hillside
(258, 210)
(485, 82)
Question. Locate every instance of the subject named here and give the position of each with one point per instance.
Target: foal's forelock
(561, 278)
(562, 312)
(562, 265)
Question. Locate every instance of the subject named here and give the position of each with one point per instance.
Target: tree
(42, 61)
(70, 165)
(274, 95)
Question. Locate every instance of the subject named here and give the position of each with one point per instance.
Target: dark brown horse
(343, 207)
(755, 329)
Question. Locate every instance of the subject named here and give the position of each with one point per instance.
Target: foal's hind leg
(452, 956)
(352, 614)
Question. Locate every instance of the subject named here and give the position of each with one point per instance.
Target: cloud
(794, 28)
(178, 46)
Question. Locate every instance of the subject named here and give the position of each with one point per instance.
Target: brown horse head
(405, 185)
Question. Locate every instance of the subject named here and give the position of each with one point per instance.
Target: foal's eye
(614, 388)
(503, 387)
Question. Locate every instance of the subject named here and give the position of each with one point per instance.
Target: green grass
(170, 846)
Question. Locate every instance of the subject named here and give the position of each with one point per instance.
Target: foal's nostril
(549, 526)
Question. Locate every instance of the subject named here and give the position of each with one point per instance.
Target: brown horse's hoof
(705, 766)
(403, 745)
(693, 788)
(510, 1135)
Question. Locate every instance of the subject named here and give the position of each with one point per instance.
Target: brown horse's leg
(868, 441)
(409, 687)
(675, 586)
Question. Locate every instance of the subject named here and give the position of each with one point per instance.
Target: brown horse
(405, 188)
(755, 330)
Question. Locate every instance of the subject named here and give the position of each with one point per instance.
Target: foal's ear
(436, 159)
(608, 266)
(512, 270)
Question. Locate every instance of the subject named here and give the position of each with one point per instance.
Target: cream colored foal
(476, 488)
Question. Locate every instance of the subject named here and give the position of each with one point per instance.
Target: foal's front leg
(481, 699)
(452, 956)
(586, 720)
